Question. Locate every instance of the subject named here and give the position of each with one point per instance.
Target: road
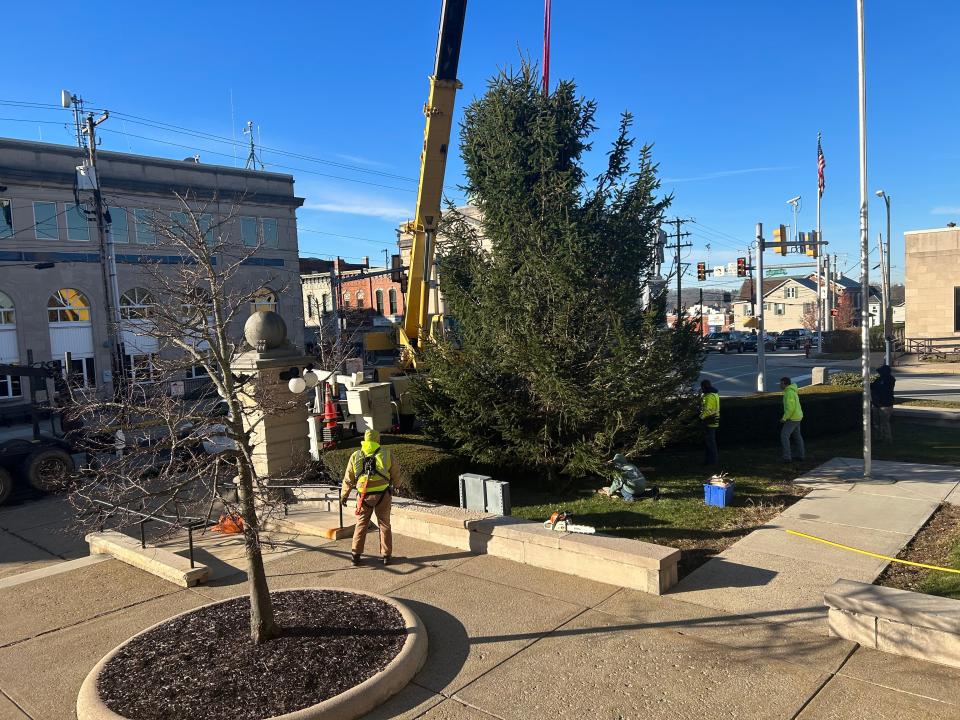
(734, 374)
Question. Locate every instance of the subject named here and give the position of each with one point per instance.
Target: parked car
(750, 343)
(794, 339)
(723, 342)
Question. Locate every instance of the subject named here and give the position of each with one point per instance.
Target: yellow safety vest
(378, 480)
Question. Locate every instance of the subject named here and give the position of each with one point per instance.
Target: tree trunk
(263, 627)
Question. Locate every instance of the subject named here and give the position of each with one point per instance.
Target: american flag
(821, 164)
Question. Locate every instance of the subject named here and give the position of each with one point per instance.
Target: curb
(924, 413)
(349, 705)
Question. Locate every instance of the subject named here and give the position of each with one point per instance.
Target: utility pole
(108, 266)
(761, 357)
(887, 304)
(677, 248)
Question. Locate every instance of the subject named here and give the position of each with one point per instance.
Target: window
(346, 299)
(181, 225)
(6, 219)
(206, 227)
(379, 298)
(78, 226)
(196, 371)
(779, 309)
(263, 299)
(82, 372)
(45, 221)
(143, 220)
(325, 299)
(119, 226)
(360, 300)
(310, 301)
(248, 231)
(790, 292)
(956, 309)
(392, 295)
(271, 238)
(68, 305)
(136, 304)
(138, 368)
(9, 350)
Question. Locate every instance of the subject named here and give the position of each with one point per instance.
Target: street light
(887, 304)
(795, 202)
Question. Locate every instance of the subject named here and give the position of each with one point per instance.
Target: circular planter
(353, 703)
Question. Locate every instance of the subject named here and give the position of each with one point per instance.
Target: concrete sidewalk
(774, 575)
(506, 641)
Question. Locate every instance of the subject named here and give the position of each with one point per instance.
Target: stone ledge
(895, 621)
(617, 561)
(157, 561)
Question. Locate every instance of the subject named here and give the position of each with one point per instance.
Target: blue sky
(732, 94)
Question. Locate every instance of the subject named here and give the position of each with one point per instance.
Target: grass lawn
(937, 543)
(764, 489)
(920, 402)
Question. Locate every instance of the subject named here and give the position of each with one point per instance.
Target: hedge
(827, 410)
(427, 471)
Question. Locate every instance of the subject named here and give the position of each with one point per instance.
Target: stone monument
(279, 422)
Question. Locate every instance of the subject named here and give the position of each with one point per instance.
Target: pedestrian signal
(813, 248)
(780, 239)
(701, 271)
(741, 267)
(834, 312)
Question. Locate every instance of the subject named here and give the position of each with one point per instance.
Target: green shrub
(827, 410)
(427, 470)
(849, 380)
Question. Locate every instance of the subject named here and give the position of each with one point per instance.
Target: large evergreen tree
(553, 363)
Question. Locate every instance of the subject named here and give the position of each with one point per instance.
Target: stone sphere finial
(265, 330)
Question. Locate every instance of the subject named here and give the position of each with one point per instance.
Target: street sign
(773, 272)
(176, 388)
(732, 268)
(719, 271)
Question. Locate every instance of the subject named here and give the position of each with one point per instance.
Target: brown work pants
(380, 504)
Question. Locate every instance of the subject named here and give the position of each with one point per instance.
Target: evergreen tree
(553, 364)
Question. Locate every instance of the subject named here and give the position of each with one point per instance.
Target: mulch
(203, 666)
(931, 546)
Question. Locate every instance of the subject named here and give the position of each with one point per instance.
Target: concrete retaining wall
(618, 561)
(896, 621)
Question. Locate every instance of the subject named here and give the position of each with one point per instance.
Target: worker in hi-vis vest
(710, 417)
(374, 472)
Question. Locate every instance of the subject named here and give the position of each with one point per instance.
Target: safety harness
(365, 468)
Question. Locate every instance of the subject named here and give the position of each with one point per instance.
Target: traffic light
(741, 267)
(780, 239)
(834, 312)
(701, 271)
(813, 247)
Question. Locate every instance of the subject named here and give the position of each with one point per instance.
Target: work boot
(386, 559)
(355, 558)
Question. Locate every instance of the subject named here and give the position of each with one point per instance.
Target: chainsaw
(561, 521)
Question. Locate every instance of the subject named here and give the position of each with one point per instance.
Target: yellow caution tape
(866, 552)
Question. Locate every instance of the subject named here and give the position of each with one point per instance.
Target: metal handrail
(312, 486)
(193, 523)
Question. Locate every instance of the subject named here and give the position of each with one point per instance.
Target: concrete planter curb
(353, 703)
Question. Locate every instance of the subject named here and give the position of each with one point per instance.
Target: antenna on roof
(252, 158)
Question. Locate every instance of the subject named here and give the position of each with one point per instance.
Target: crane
(433, 162)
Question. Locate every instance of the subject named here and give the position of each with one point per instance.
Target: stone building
(52, 287)
(933, 283)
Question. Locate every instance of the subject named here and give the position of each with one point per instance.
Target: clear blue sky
(732, 95)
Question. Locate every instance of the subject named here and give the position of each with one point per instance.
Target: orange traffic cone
(329, 420)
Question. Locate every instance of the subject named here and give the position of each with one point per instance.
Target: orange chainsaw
(561, 521)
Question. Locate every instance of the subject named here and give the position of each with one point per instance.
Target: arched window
(310, 302)
(68, 313)
(263, 299)
(360, 299)
(326, 302)
(9, 349)
(393, 301)
(68, 305)
(136, 304)
(346, 299)
(379, 298)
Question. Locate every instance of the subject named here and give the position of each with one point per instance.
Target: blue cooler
(718, 495)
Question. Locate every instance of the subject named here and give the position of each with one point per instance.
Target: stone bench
(896, 621)
(618, 561)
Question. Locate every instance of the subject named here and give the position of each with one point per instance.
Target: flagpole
(864, 246)
(819, 251)
(547, 12)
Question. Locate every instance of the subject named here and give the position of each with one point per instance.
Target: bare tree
(846, 312)
(809, 318)
(151, 447)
